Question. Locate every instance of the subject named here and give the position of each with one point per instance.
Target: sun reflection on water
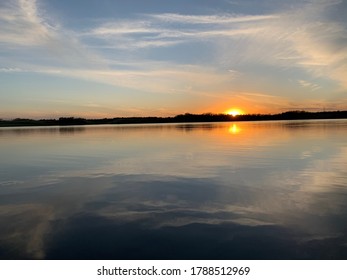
(234, 129)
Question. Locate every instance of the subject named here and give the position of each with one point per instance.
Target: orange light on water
(234, 129)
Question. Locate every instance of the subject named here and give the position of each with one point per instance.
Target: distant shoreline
(208, 117)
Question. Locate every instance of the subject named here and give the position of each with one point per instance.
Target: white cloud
(160, 30)
(304, 37)
(11, 70)
(300, 38)
(165, 78)
(123, 27)
(21, 24)
(30, 43)
(307, 84)
(211, 19)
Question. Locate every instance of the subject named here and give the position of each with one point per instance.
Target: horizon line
(182, 114)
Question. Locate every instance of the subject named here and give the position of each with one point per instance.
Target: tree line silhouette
(207, 117)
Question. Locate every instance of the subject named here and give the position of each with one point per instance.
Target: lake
(243, 190)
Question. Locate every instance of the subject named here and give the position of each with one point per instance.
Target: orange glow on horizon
(234, 112)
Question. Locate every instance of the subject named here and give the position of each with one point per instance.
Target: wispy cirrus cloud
(304, 37)
(211, 19)
(161, 30)
(65, 56)
(22, 25)
(309, 85)
(293, 39)
(30, 41)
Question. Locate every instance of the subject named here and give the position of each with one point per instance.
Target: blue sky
(138, 58)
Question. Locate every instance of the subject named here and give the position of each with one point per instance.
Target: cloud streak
(311, 86)
(21, 25)
(305, 38)
(33, 42)
(211, 19)
(161, 30)
(295, 39)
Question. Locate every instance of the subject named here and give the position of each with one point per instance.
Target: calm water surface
(256, 190)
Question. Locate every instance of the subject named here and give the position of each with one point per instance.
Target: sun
(234, 112)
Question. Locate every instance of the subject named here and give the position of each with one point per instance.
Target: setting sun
(234, 112)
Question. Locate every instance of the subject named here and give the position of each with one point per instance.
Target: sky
(111, 58)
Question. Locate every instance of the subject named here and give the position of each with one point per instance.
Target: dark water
(266, 190)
